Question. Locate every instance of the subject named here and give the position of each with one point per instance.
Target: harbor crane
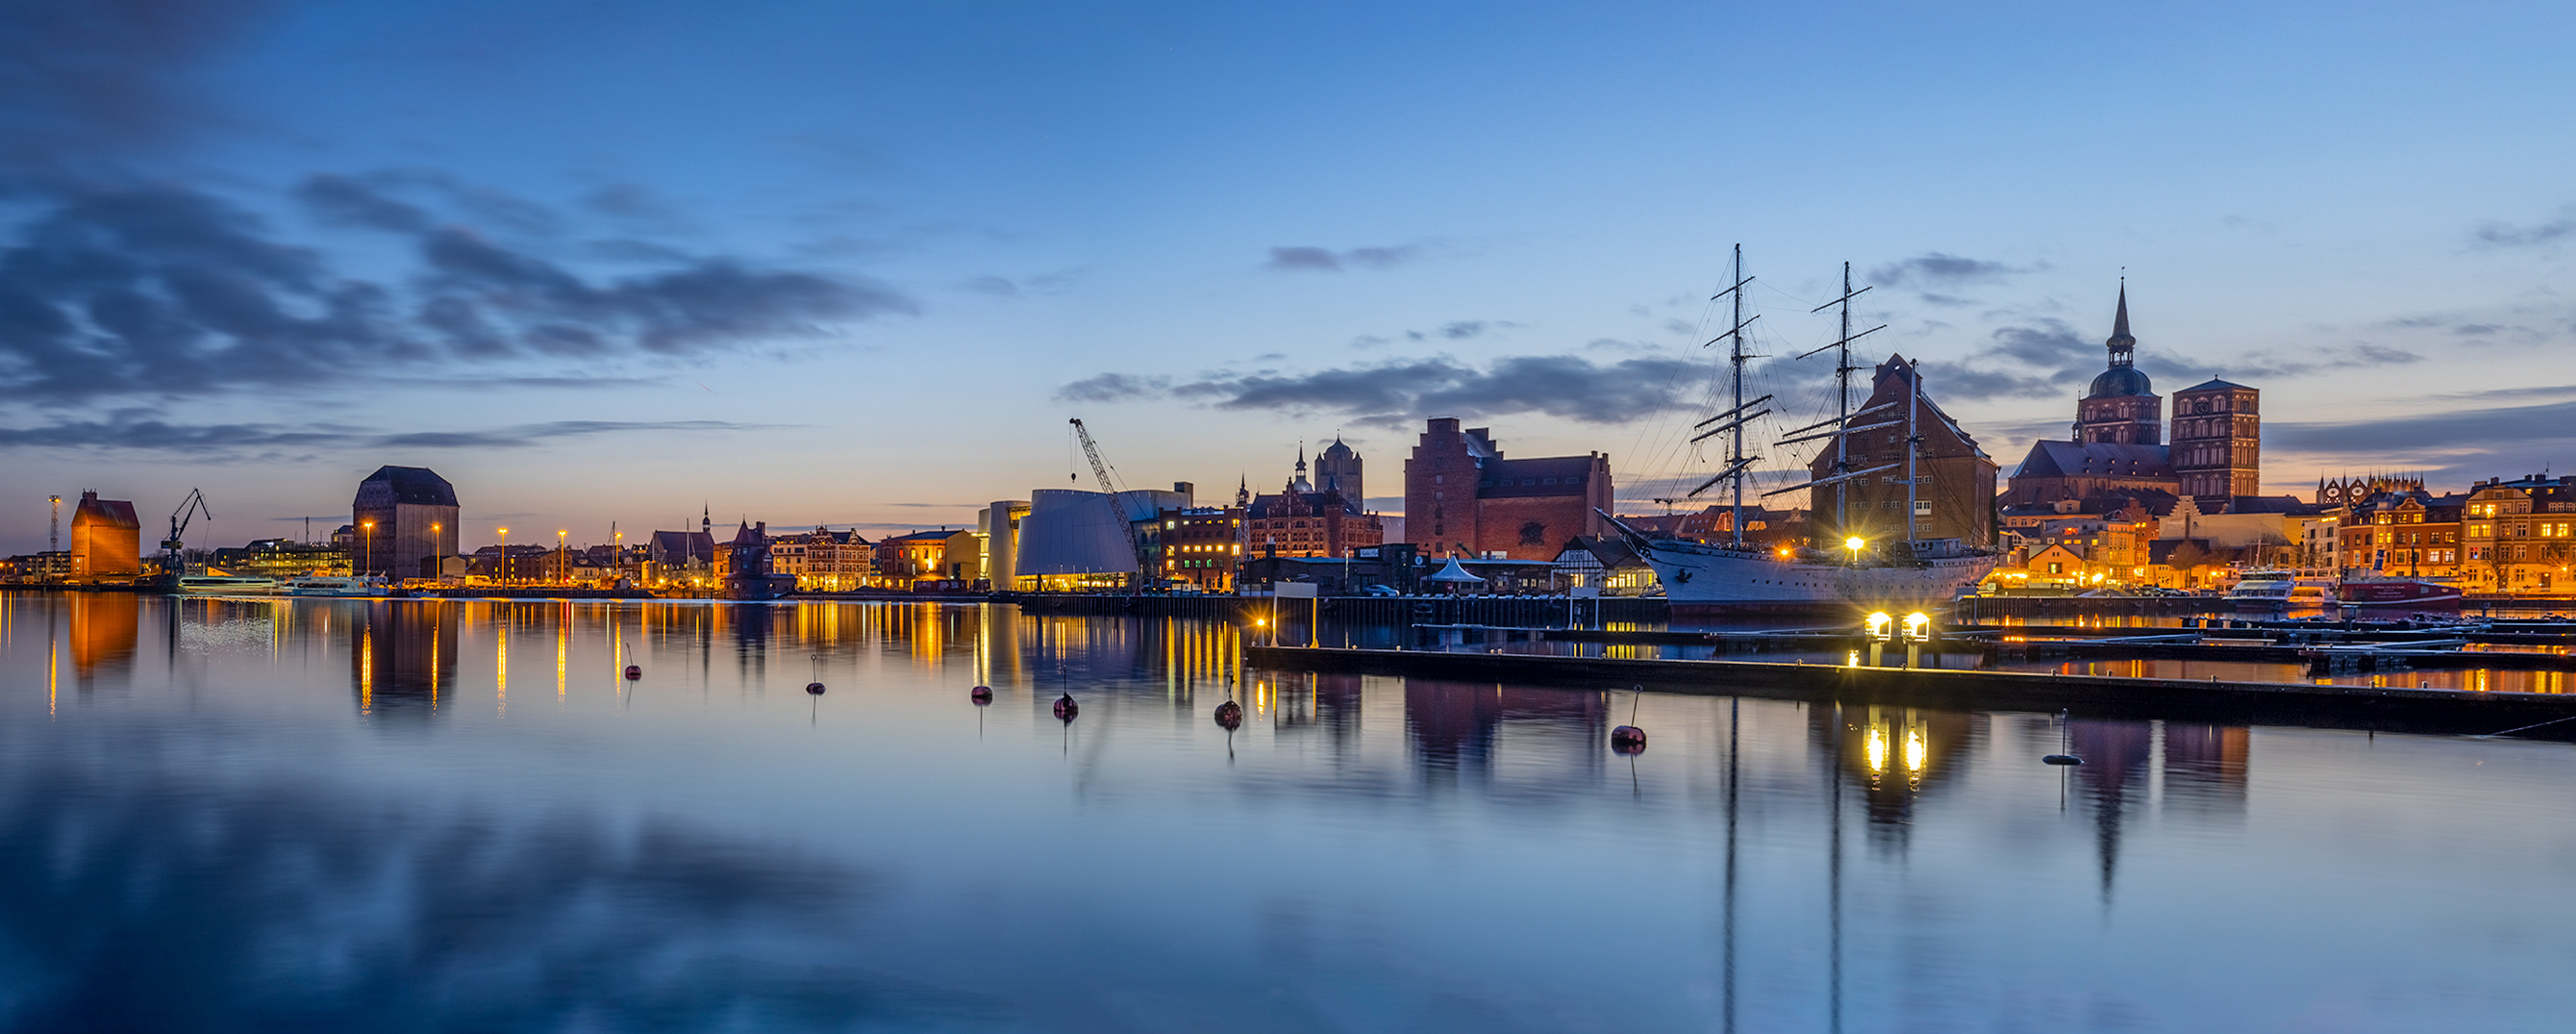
(1109, 492)
(188, 510)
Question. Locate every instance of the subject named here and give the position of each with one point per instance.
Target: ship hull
(2399, 594)
(1709, 581)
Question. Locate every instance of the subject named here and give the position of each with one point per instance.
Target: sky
(857, 263)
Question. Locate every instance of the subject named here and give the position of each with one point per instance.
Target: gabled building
(1953, 490)
(107, 541)
(1461, 495)
(823, 560)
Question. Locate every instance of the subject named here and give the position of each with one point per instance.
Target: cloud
(1462, 329)
(86, 83)
(1309, 259)
(222, 439)
(2444, 430)
(1400, 390)
(111, 290)
(2508, 235)
(2046, 358)
(1933, 269)
(1112, 387)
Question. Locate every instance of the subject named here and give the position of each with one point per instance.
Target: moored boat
(2412, 593)
(225, 585)
(334, 585)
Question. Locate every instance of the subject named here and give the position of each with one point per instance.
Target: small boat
(225, 585)
(334, 585)
(2384, 591)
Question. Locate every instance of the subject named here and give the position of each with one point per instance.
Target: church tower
(2122, 407)
(1337, 469)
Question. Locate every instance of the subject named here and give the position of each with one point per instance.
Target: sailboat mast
(1735, 454)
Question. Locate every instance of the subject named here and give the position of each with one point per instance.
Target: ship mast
(1842, 386)
(1913, 445)
(1736, 461)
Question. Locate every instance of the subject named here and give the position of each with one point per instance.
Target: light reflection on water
(355, 814)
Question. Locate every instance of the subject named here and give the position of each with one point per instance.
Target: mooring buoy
(814, 688)
(981, 695)
(1628, 739)
(1065, 708)
(1229, 716)
(2061, 759)
(634, 672)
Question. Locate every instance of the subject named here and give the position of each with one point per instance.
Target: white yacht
(334, 585)
(225, 585)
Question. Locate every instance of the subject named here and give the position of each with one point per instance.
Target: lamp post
(1855, 544)
(563, 558)
(367, 548)
(505, 558)
(438, 547)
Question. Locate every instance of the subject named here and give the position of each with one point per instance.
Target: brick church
(1462, 496)
(2120, 448)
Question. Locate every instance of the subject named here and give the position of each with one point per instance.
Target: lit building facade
(406, 521)
(107, 541)
(2520, 536)
(823, 560)
(1202, 547)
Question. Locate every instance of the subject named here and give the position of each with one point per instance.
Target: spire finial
(2122, 345)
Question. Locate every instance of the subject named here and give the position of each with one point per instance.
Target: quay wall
(2328, 706)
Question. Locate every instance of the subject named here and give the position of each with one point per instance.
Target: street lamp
(505, 558)
(563, 557)
(438, 548)
(1855, 544)
(367, 529)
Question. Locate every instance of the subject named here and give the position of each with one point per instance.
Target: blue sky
(856, 263)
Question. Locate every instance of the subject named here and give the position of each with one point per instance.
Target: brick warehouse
(1462, 495)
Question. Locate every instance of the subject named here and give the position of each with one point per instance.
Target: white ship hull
(1708, 578)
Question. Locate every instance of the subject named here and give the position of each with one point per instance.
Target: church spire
(2124, 348)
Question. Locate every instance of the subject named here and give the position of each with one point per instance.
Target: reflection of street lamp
(505, 557)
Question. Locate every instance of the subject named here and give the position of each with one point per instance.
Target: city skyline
(857, 267)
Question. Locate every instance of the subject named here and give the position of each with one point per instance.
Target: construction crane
(1109, 492)
(173, 563)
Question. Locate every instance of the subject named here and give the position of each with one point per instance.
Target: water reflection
(402, 655)
(551, 846)
(143, 902)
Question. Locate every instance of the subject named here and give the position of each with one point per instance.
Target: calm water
(355, 815)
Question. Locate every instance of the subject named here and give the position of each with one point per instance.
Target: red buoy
(1065, 708)
(1229, 716)
(634, 671)
(1628, 739)
(981, 695)
(814, 688)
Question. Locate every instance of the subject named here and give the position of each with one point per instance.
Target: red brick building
(1462, 496)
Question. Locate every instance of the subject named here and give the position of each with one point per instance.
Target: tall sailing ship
(1910, 570)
